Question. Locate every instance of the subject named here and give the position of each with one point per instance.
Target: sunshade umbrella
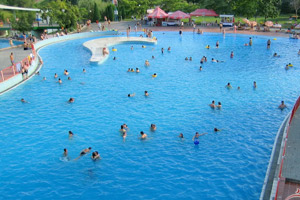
(179, 15)
(269, 23)
(246, 21)
(158, 14)
(253, 23)
(204, 12)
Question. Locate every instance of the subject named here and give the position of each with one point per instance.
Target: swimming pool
(5, 43)
(230, 164)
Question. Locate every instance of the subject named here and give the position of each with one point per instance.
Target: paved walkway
(19, 55)
(96, 46)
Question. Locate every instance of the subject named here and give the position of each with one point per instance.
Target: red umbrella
(204, 12)
(179, 15)
(158, 13)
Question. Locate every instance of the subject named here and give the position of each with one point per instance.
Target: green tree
(269, 8)
(246, 8)
(96, 13)
(23, 22)
(61, 12)
(296, 5)
(109, 12)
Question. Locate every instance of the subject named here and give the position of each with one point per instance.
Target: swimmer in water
(95, 156)
(83, 70)
(216, 130)
(197, 135)
(276, 55)
(128, 70)
(147, 63)
(55, 75)
(287, 67)
(131, 70)
(250, 41)
(66, 72)
(162, 50)
(153, 57)
(131, 47)
(146, 93)
(186, 58)
(153, 127)
(207, 46)
(238, 88)
(254, 84)
(71, 100)
(71, 134)
(83, 152)
(200, 68)
(122, 130)
(217, 61)
(228, 86)
(217, 44)
(246, 44)
(219, 105)
(154, 75)
(282, 105)
(169, 48)
(44, 78)
(23, 101)
(180, 135)
(137, 70)
(299, 52)
(143, 135)
(114, 58)
(59, 81)
(131, 95)
(231, 54)
(212, 105)
(65, 154)
(143, 46)
(191, 59)
(69, 78)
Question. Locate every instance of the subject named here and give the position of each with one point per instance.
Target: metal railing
(16, 68)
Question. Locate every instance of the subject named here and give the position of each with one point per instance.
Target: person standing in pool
(228, 86)
(162, 50)
(282, 105)
(250, 41)
(268, 44)
(65, 154)
(232, 54)
(217, 44)
(143, 135)
(197, 135)
(212, 105)
(254, 84)
(180, 135)
(153, 127)
(95, 156)
(146, 93)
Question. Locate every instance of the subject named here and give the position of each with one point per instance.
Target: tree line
(67, 13)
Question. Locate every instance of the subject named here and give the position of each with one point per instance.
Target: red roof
(158, 13)
(179, 15)
(204, 12)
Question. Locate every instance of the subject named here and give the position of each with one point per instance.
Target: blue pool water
(5, 43)
(230, 164)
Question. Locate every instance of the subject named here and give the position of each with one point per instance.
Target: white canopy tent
(227, 20)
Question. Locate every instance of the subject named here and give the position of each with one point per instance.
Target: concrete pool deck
(96, 46)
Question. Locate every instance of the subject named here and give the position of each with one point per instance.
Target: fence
(281, 180)
(16, 69)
